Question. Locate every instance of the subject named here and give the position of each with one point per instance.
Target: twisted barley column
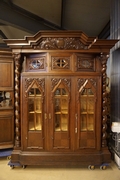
(104, 101)
(16, 57)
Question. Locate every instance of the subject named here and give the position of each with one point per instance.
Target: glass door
(87, 110)
(61, 119)
(86, 113)
(33, 104)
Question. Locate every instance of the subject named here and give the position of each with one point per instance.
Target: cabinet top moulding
(5, 53)
(47, 41)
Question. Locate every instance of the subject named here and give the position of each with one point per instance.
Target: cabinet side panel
(6, 74)
(6, 129)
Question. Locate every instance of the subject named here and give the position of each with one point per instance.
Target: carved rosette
(104, 101)
(16, 57)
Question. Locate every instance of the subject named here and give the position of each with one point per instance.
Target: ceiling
(20, 18)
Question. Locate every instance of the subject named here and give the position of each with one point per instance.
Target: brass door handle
(45, 115)
(76, 123)
(49, 115)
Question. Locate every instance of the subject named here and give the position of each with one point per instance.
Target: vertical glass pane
(64, 106)
(64, 122)
(61, 109)
(38, 121)
(87, 110)
(57, 122)
(31, 121)
(83, 122)
(38, 105)
(83, 105)
(90, 105)
(57, 105)
(34, 109)
(90, 122)
(31, 105)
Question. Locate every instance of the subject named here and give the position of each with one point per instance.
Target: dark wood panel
(6, 74)
(6, 130)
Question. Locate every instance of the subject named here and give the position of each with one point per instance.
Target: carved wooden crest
(60, 43)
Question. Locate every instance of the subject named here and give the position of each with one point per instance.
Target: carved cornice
(60, 40)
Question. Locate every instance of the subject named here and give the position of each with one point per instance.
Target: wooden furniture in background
(6, 99)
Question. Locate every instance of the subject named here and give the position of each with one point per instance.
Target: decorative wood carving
(60, 63)
(82, 82)
(85, 64)
(37, 63)
(16, 57)
(57, 82)
(60, 43)
(104, 121)
(38, 81)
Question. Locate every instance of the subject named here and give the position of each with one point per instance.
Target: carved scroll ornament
(60, 43)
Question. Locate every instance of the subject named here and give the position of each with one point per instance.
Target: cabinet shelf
(89, 95)
(88, 112)
(7, 107)
(35, 96)
(62, 112)
(32, 112)
(85, 129)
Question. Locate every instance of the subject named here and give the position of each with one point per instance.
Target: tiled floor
(37, 173)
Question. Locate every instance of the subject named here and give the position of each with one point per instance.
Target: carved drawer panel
(61, 62)
(85, 63)
(36, 62)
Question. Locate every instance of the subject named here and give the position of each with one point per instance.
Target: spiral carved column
(16, 57)
(104, 101)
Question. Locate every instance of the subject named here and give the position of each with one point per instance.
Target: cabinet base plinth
(55, 159)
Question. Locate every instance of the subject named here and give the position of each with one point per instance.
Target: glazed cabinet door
(46, 113)
(33, 113)
(59, 120)
(88, 114)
